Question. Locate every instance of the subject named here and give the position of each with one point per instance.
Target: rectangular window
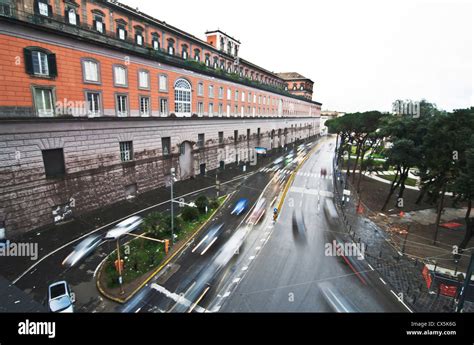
(140, 40)
(258, 132)
(126, 151)
(120, 76)
(143, 80)
(200, 142)
(163, 107)
(229, 94)
(44, 101)
(221, 137)
(121, 33)
(121, 105)
(248, 134)
(54, 163)
(211, 91)
(166, 146)
(156, 44)
(71, 16)
(236, 110)
(211, 109)
(40, 63)
(91, 71)
(221, 92)
(93, 103)
(43, 8)
(200, 108)
(163, 82)
(236, 95)
(243, 96)
(255, 98)
(220, 109)
(99, 25)
(200, 89)
(145, 106)
(249, 98)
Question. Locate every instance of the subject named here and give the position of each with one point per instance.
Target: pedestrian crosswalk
(299, 173)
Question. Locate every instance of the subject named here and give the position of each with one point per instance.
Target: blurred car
(240, 207)
(258, 211)
(330, 211)
(60, 298)
(84, 248)
(124, 227)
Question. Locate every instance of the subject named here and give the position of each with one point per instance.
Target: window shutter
(50, 10)
(53, 70)
(28, 61)
(78, 18)
(94, 24)
(36, 7)
(118, 32)
(104, 29)
(125, 33)
(66, 14)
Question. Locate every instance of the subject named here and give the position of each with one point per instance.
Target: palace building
(98, 102)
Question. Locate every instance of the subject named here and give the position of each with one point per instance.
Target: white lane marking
(205, 237)
(400, 300)
(209, 246)
(227, 294)
(198, 300)
(245, 268)
(258, 248)
(383, 281)
(371, 267)
(252, 257)
(175, 297)
(136, 311)
(236, 280)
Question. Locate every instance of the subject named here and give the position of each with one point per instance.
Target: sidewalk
(53, 237)
(403, 274)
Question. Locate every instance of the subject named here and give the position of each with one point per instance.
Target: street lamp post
(172, 205)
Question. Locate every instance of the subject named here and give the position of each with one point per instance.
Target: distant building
(297, 85)
(327, 115)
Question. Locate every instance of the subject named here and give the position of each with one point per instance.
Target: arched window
(182, 97)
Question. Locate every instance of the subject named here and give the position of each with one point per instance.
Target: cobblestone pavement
(402, 273)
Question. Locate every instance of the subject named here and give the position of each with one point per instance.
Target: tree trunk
(393, 187)
(356, 162)
(469, 227)
(361, 170)
(420, 196)
(403, 179)
(438, 216)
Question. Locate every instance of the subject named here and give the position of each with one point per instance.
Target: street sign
(346, 192)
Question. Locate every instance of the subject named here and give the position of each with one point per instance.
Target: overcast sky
(361, 54)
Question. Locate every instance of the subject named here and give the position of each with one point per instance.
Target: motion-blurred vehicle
(330, 211)
(60, 298)
(82, 250)
(258, 211)
(128, 225)
(240, 207)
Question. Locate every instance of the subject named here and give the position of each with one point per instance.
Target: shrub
(189, 213)
(202, 202)
(213, 203)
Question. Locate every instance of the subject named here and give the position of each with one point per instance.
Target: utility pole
(465, 286)
(172, 206)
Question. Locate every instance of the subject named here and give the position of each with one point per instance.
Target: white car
(124, 227)
(60, 298)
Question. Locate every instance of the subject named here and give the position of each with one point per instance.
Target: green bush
(213, 203)
(190, 214)
(202, 202)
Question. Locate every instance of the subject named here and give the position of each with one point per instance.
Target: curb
(133, 293)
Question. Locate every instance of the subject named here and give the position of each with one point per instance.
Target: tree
(202, 204)
(190, 214)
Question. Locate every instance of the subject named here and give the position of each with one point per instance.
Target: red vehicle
(258, 211)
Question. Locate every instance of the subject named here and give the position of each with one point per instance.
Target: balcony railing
(83, 31)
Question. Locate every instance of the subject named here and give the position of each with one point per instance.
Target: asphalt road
(294, 271)
(196, 274)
